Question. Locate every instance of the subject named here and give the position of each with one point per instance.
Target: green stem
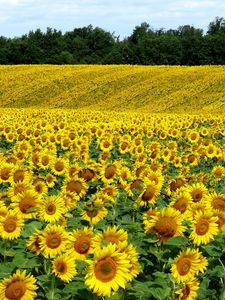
(52, 291)
(222, 295)
(124, 294)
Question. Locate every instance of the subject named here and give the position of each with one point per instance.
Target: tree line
(185, 45)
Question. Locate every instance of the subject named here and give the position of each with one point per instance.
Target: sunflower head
(18, 286)
(64, 267)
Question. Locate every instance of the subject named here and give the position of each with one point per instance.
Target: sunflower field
(104, 204)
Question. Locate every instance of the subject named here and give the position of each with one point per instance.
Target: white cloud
(19, 16)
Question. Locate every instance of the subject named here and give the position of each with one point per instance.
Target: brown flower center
(219, 203)
(53, 240)
(202, 226)
(181, 204)
(149, 193)
(15, 290)
(26, 203)
(110, 171)
(124, 146)
(10, 225)
(105, 269)
(166, 227)
(50, 209)
(82, 244)
(61, 267)
(136, 184)
(111, 238)
(59, 166)
(185, 292)
(74, 187)
(19, 175)
(183, 266)
(196, 195)
(45, 160)
(5, 173)
(178, 183)
(86, 174)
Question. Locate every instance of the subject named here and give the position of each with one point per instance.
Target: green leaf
(18, 259)
(212, 250)
(30, 228)
(177, 241)
(6, 269)
(44, 278)
(218, 271)
(7, 252)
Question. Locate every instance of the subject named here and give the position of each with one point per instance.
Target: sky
(18, 17)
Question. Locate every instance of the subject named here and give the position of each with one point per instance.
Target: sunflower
(64, 267)
(124, 146)
(106, 145)
(109, 172)
(94, 211)
(188, 290)
(59, 166)
(166, 224)
(75, 185)
(108, 271)
(18, 286)
(203, 228)
(51, 209)
(87, 174)
(104, 157)
(201, 206)
(204, 131)
(50, 180)
(181, 201)
(166, 154)
(148, 218)
(218, 172)
(217, 201)
(197, 191)
(221, 218)
(136, 185)
(149, 195)
(19, 174)
(33, 242)
(211, 151)
(155, 177)
(44, 160)
(156, 166)
(109, 192)
(192, 159)
(5, 172)
(3, 210)
(132, 254)
(70, 200)
(111, 235)
(175, 184)
(25, 204)
(10, 137)
(193, 136)
(81, 243)
(124, 175)
(187, 264)
(10, 226)
(53, 240)
(18, 188)
(40, 187)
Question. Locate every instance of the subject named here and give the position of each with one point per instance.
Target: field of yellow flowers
(153, 88)
(112, 200)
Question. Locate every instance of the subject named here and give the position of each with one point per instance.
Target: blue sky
(18, 17)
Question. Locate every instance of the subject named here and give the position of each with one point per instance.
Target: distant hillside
(114, 87)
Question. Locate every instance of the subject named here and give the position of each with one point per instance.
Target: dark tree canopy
(185, 45)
